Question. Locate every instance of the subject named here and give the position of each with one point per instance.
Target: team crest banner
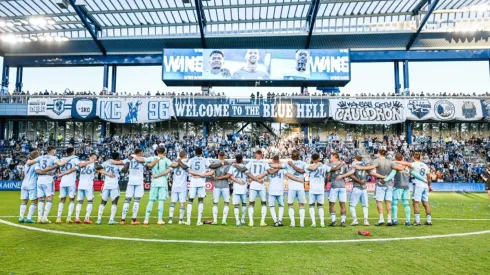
(55, 108)
(444, 109)
(369, 111)
(84, 108)
(134, 110)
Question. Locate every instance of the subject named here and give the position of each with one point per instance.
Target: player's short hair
(70, 150)
(217, 52)
(358, 158)
(398, 156)
(258, 152)
(92, 154)
(161, 150)
(34, 154)
(198, 151)
(416, 155)
(239, 158)
(98, 167)
(276, 158)
(382, 152)
(50, 148)
(182, 154)
(335, 155)
(315, 156)
(115, 155)
(137, 150)
(221, 154)
(295, 155)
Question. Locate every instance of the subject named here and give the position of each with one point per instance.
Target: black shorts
(487, 185)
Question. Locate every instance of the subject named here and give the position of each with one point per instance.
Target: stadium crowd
(450, 159)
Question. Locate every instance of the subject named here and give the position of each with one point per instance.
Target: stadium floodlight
(48, 38)
(19, 39)
(57, 38)
(65, 39)
(2, 24)
(27, 39)
(37, 21)
(10, 24)
(51, 21)
(41, 38)
(33, 38)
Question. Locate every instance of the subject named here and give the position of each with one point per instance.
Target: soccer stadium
(244, 136)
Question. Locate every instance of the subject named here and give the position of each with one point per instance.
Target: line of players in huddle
(393, 184)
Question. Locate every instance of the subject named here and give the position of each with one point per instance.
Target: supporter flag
(83, 108)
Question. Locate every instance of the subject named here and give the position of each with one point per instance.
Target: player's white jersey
(276, 185)
(317, 179)
(136, 170)
(112, 183)
(422, 169)
(179, 179)
(198, 164)
(294, 185)
(30, 177)
(256, 167)
(44, 162)
(87, 177)
(238, 189)
(69, 179)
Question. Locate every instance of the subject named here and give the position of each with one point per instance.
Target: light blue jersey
(44, 162)
(30, 177)
(112, 183)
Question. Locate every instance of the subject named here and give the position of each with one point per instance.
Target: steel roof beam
(414, 36)
(201, 19)
(419, 6)
(90, 23)
(310, 20)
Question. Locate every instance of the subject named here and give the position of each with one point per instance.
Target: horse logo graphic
(132, 116)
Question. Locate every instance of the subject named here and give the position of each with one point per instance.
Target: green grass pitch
(24, 251)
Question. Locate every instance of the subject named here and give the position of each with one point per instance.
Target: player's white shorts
(337, 194)
(221, 192)
(199, 192)
(45, 190)
(276, 198)
(299, 194)
(421, 194)
(178, 196)
(82, 194)
(68, 191)
(135, 191)
(113, 193)
(28, 194)
(318, 198)
(237, 198)
(358, 195)
(253, 195)
(384, 193)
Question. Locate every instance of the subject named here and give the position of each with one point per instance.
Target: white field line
(366, 240)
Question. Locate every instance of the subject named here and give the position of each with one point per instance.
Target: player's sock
(215, 212)
(189, 211)
(244, 210)
(342, 217)
(302, 215)
(417, 217)
(23, 207)
(60, 210)
(226, 209)
(181, 213)
(389, 218)
(251, 214)
(90, 205)
(321, 213)
(291, 214)
(40, 209)
(273, 213)
(381, 218)
(78, 210)
(406, 206)
(365, 212)
(136, 207)
(333, 217)
(263, 212)
(429, 218)
(113, 211)
(312, 213)
(171, 211)
(161, 210)
(125, 210)
(101, 211)
(236, 211)
(149, 207)
(47, 208)
(32, 208)
(394, 210)
(281, 213)
(353, 212)
(200, 209)
(71, 206)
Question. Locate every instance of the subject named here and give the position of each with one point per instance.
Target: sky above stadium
(430, 77)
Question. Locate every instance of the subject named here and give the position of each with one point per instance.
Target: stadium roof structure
(100, 27)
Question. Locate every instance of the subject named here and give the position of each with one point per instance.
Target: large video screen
(256, 65)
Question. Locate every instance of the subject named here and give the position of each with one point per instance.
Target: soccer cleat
(251, 224)
(322, 225)
(77, 221)
(98, 222)
(199, 223)
(354, 223)
(332, 224)
(135, 223)
(122, 223)
(342, 224)
(160, 223)
(29, 221)
(302, 226)
(180, 222)
(112, 222)
(87, 221)
(69, 221)
(58, 221)
(395, 223)
(145, 222)
(428, 223)
(313, 225)
(276, 224)
(366, 223)
(292, 225)
(417, 224)
(280, 223)
(389, 224)
(170, 221)
(238, 224)
(263, 224)
(379, 223)
(224, 223)
(39, 221)
(407, 223)
(21, 220)
(214, 223)
(242, 221)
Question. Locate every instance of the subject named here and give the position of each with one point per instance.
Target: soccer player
(238, 175)
(198, 166)
(256, 168)
(301, 71)
(318, 172)
(296, 190)
(86, 188)
(68, 185)
(384, 190)
(179, 187)
(45, 182)
(486, 178)
(28, 189)
(159, 164)
(337, 191)
(110, 189)
(421, 190)
(221, 187)
(251, 69)
(276, 191)
(216, 71)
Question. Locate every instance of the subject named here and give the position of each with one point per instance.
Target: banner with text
(55, 108)
(369, 111)
(84, 108)
(444, 109)
(293, 109)
(134, 110)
